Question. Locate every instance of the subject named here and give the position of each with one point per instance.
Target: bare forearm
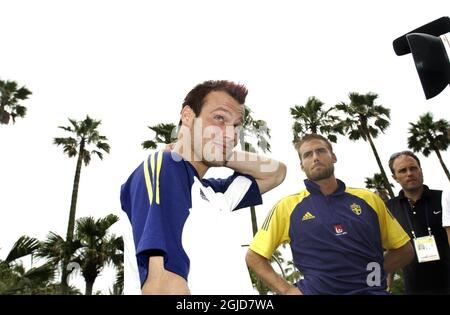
(162, 282)
(264, 271)
(268, 173)
(165, 285)
(398, 258)
(390, 280)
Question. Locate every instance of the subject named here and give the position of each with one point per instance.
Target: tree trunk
(4, 115)
(64, 277)
(71, 224)
(383, 173)
(73, 203)
(89, 286)
(442, 164)
(254, 220)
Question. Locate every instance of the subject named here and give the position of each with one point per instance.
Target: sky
(131, 63)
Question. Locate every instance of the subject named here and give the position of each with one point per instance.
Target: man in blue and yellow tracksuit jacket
(337, 234)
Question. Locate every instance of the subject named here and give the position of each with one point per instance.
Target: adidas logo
(308, 216)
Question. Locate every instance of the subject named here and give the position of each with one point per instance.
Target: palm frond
(24, 246)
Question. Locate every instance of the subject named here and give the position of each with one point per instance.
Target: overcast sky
(130, 64)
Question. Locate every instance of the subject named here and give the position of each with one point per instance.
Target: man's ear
(333, 158)
(187, 116)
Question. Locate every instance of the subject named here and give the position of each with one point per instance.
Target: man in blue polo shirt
(180, 239)
(337, 234)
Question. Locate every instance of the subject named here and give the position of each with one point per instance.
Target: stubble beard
(324, 174)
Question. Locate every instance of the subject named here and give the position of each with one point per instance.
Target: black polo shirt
(429, 277)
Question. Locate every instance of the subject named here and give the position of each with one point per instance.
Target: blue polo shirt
(336, 240)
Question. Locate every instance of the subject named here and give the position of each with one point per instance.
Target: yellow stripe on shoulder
(158, 170)
(152, 166)
(148, 181)
(288, 204)
(152, 176)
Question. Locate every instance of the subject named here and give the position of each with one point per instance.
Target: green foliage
(364, 120)
(84, 134)
(376, 183)
(363, 117)
(398, 287)
(256, 130)
(10, 97)
(164, 133)
(313, 118)
(92, 249)
(427, 135)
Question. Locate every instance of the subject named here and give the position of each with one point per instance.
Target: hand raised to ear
(169, 147)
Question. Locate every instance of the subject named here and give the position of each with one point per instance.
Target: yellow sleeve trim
(392, 234)
(275, 229)
(158, 169)
(153, 178)
(148, 181)
(265, 253)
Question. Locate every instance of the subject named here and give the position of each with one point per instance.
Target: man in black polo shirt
(419, 210)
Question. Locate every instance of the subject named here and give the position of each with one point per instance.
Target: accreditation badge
(426, 248)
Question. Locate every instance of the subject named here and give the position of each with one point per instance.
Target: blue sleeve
(251, 198)
(159, 198)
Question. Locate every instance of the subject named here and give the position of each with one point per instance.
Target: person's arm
(397, 258)
(161, 281)
(268, 173)
(447, 229)
(390, 281)
(261, 266)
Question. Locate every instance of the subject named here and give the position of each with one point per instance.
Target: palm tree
(312, 118)
(165, 133)
(427, 135)
(118, 284)
(258, 130)
(36, 280)
(376, 183)
(98, 247)
(59, 252)
(10, 97)
(364, 120)
(14, 279)
(85, 134)
(24, 246)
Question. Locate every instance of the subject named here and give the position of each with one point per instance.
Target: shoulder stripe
(152, 166)
(158, 169)
(265, 225)
(148, 181)
(290, 201)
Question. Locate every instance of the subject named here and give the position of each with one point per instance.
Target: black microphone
(435, 28)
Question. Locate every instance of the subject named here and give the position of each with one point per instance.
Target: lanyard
(408, 217)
